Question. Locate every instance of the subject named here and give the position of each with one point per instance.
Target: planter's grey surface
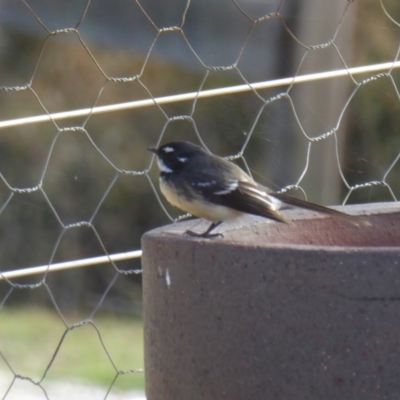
(309, 310)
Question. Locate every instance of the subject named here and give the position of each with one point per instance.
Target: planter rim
(303, 235)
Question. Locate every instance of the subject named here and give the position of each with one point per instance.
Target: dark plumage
(210, 187)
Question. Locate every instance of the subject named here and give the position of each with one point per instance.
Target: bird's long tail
(293, 201)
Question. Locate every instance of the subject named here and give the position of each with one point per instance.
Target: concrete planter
(272, 311)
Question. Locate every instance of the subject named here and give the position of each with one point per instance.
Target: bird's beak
(153, 150)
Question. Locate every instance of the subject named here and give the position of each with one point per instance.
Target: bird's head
(174, 156)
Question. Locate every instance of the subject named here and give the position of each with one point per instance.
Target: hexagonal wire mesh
(86, 88)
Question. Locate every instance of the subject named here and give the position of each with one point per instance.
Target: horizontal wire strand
(84, 262)
(202, 94)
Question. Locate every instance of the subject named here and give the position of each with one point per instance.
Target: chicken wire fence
(304, 95)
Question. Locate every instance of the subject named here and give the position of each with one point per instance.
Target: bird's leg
(207, 233)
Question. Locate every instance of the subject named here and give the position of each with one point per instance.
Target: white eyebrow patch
(182, 159)
(163, 167)
(231, 187)
(168, 149)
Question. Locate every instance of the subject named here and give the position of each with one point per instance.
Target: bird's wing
(243, 196)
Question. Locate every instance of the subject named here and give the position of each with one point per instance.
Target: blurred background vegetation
(75, 176)
(30, 336)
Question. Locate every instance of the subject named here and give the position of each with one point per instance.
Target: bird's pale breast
(201, 209)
